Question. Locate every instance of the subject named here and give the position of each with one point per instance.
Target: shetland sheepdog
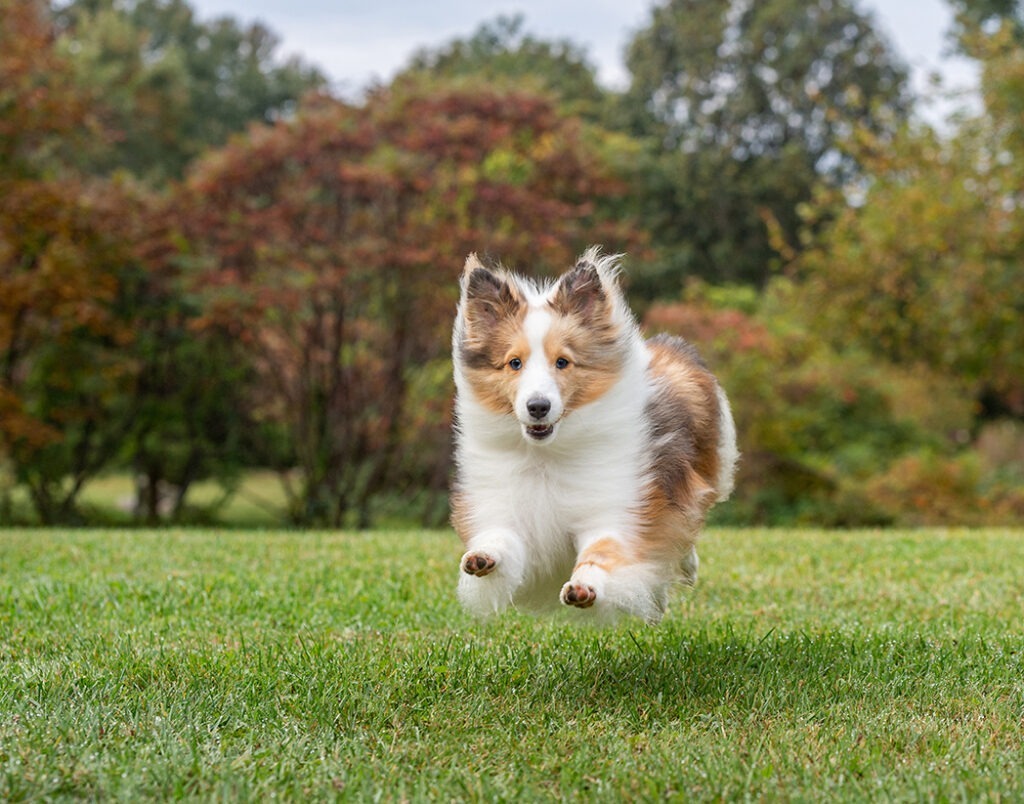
(587, 456)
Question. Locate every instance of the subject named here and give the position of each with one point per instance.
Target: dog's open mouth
(539, 432)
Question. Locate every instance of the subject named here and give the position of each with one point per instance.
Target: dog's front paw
(478, 564)
(579, 595)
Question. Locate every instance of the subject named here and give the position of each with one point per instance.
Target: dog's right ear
(488, 297)
(472, 264)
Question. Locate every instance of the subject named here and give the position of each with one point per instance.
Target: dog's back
(692, 448)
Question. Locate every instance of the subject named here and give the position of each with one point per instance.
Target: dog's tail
(728, 452)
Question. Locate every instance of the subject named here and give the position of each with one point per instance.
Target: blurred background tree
(502, 50)
(60, 256)
(98, 363)
(986, 16)
(189, 391)
(168, 86)
(747, 106)
(925, 273)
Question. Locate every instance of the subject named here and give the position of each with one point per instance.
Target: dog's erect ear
(471, 264)
(581, 290)
(488, 297)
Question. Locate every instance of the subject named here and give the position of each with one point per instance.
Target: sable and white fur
(587, 457)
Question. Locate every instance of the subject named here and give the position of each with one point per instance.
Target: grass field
(806, 665)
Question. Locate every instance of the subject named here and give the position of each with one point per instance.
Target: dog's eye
(562, 363)
(515, 364)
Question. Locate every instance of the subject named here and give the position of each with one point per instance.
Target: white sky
(358, 42)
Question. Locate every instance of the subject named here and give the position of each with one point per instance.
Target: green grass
(806, 665)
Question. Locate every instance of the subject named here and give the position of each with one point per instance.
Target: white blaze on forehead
(535, 327)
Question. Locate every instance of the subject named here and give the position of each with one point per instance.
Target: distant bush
(929, 489)
(840, 438)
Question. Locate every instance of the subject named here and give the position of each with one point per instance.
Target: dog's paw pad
(478, 564)
(579, 595)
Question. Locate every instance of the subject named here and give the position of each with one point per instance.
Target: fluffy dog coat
(587, 457)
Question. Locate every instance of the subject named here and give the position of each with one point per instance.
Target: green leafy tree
(927, 270)
(748, 104)
(62, 335)
(168, 85)
(502, 50)
(187, 395)
(986, 15)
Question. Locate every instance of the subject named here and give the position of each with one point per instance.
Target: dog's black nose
(538, 407)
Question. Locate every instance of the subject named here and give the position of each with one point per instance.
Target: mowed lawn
(806, 665)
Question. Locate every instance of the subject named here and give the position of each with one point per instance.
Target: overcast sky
(357, 42)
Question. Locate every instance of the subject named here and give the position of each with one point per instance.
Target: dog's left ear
(581, 290)
(487, 297)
